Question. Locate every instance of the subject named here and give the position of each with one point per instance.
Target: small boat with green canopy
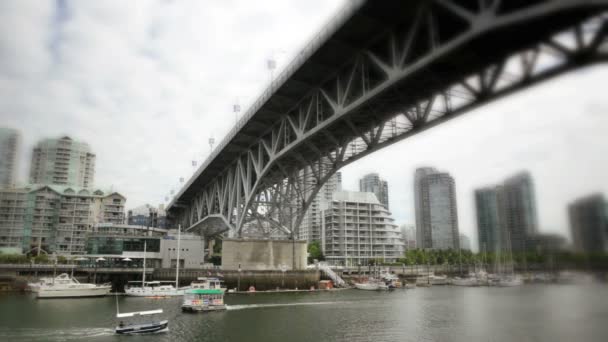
(196, 300)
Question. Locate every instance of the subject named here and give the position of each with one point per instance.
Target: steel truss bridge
(380, 72)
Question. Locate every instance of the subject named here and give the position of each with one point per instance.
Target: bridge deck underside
(385, 68)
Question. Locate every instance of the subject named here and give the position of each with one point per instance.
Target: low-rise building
(357, 228)
(123, 246)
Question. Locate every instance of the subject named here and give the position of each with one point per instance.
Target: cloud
(147, 83)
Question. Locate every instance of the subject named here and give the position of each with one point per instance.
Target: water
(528, 313)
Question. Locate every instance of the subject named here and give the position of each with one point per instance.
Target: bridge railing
(309, 48)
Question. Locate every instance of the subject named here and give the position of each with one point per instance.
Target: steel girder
(368, 105)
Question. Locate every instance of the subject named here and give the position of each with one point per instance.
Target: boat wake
(257, 306)
(33, 334)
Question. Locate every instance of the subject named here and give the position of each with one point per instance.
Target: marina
(435, 313)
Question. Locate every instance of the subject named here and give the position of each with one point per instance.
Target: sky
(147, 83)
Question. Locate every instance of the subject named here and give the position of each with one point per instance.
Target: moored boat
(368, 286)
(64, 286)
(457, 281)
(438, 280)
(152, 289)
(509, 281)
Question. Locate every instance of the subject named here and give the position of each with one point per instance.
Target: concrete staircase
(338, 281)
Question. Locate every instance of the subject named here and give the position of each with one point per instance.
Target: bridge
(378, 73)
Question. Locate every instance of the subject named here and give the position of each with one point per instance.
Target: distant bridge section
(380, 72)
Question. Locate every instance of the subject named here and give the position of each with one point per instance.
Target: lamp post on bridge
(236, 108)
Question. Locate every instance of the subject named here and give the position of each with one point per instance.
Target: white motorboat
(35, 286)
(64, 286)
(438, 280)
(392, 280)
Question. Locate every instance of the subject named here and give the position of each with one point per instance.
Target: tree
(315, 252)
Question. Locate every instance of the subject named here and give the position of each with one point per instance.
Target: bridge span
(378, 73)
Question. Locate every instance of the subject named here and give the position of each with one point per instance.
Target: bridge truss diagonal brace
(276, 184)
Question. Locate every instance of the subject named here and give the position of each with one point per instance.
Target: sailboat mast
(143, 276)
(116, 296)
(179, 235)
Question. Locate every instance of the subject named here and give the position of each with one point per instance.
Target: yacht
(64, 286)
(478, 278)
(35, 286)
(151, 289)
(369, 286)
(470, 281)
(509, 281)
(438, 280)
(372, 284)
(145, 288)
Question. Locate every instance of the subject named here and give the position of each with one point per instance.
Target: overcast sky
(147, 83)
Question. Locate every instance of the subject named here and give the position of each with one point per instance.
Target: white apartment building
(356, 228)
(63, 162)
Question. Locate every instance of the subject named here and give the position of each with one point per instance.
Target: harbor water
(440, 313)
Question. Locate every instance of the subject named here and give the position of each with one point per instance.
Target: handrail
(313, 44)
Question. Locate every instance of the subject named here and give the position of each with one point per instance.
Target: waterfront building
(506, 215)
(115, 243)
(589, 224)
(54, 219)
(491, 232)
(543, 242)
(520, 210)
(63, 161)
(9, 144)
(147, 215)
(357, 228)
(310, 228)
(373, 183)
(408, 233)
(436, 210)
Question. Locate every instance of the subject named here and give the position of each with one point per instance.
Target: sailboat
(509, 279)
(137, 322)
(156, 289)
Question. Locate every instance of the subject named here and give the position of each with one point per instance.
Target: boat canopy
(139, 313)
(205, 291)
